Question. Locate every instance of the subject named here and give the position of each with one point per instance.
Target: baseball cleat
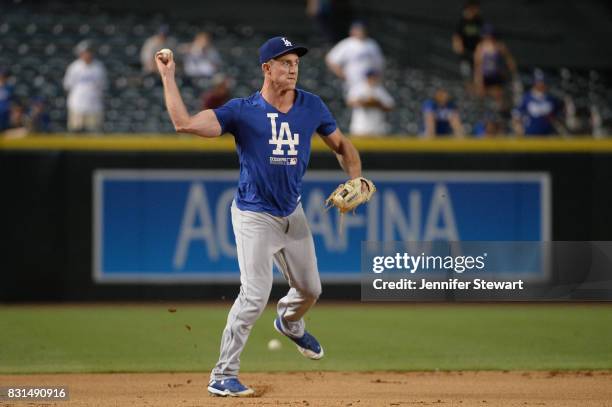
(229, 387)
(307, 344)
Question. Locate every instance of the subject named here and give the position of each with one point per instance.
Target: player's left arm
(345, 151)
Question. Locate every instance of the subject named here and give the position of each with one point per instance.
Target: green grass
(148, 338)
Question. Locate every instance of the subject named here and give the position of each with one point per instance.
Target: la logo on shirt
(280, 138)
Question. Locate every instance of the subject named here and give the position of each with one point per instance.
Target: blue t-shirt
(441, 115)
(273, 148)
(537, 113)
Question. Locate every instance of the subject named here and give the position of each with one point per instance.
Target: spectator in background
(353, 57)
(17, 125)
(494, 66)
(370, 101)
(22, 121)
(18, 117)
(539, 112)
(201, 59)
(491, 126)
(585, 120)
(38, 116)
(467, 36)
(441, 117)
(85, 81)
(153, 44)
(6, 98)
(218, 94)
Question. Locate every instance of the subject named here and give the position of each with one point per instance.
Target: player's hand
(351, 194)
(165, 64)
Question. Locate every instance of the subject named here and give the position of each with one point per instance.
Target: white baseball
(274, 344)
(166, 54)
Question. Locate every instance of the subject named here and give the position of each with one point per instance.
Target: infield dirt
(588, 388)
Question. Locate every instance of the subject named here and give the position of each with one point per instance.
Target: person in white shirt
(352, 57)
(201, 57)
(370, 102)
(85, 81)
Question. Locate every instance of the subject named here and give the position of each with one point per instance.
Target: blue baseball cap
(277, 46)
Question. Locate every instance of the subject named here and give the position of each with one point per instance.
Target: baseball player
(273, 130)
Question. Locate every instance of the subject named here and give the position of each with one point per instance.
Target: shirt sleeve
(337, 54)
(69, 77)
(327, 123)
(227, 115)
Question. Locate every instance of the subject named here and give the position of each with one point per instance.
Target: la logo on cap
(287, 42)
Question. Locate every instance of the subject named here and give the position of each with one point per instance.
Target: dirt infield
(332, 389)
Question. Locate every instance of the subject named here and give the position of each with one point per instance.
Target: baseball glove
(348, 196)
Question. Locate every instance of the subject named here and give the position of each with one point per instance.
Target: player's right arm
(204, 124)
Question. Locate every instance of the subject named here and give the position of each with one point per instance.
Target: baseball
(166, 55)
(274, 344)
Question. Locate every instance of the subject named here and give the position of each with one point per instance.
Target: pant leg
(256, 241)
(93, 121)
(75, 121)
(298, 263)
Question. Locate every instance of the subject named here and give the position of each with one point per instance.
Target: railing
(161, 143)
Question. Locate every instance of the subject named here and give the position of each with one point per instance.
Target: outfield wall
(49, 208)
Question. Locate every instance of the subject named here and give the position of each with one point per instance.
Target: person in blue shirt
(272, 129)
(539, 112)
(6, 99)
(441, 116)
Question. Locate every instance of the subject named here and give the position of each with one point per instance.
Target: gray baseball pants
(262, 238)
